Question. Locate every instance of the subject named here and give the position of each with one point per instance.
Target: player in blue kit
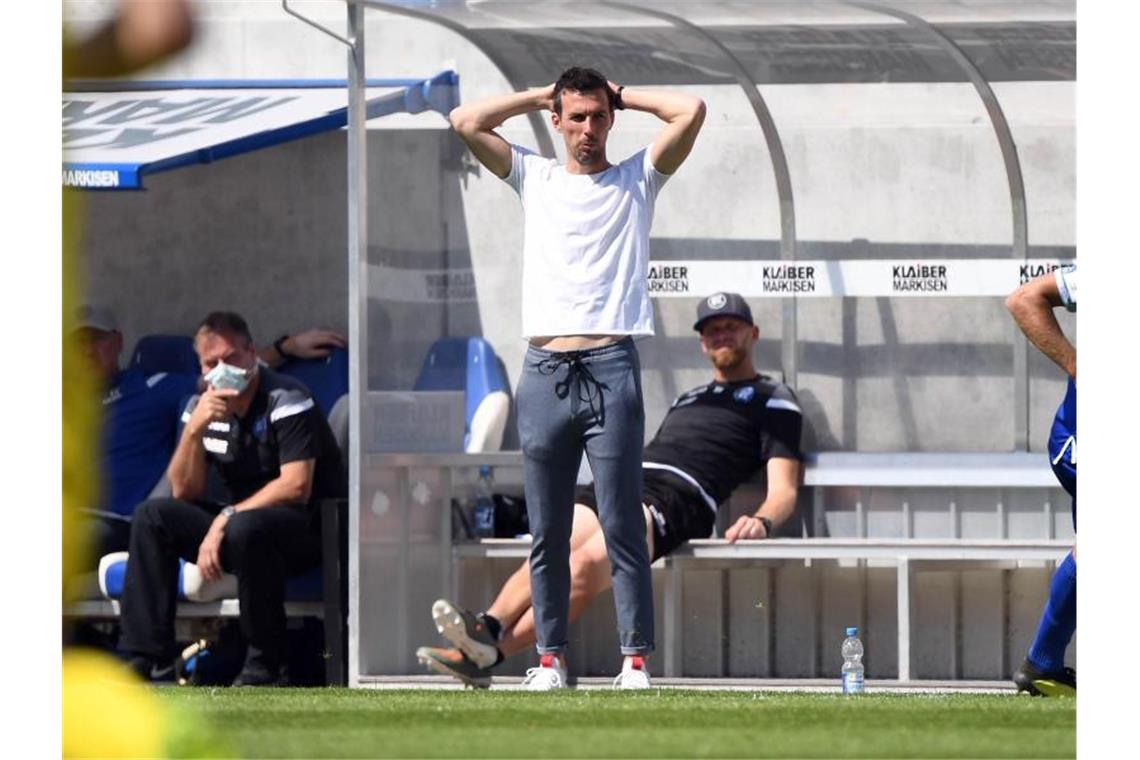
(1043, 673)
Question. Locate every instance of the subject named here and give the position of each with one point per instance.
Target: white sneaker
(633, 675)
(550, 674)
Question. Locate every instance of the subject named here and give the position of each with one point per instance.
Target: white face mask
(224, 376)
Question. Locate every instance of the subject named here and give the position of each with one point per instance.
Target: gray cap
(723, 305)
(96, 317)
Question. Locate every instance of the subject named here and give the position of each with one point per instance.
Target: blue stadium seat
(306, 587)
(326, 379)
(470, 365)
(166, 353)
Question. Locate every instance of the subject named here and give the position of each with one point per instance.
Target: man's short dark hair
(227, 322)
(581, 79)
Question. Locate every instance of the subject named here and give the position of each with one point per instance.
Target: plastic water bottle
(852, 663)
(484, 512)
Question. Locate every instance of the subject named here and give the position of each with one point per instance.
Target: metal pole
(789, 334)
(357, 318)
(904, 621)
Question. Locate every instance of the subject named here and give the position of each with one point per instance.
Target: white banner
(815, 279)
(915, 278)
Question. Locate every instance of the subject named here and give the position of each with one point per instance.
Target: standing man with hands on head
(276, 458)
(584, 299)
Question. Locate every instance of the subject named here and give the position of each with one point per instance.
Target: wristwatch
(767, 526)
(228, 511)
(619, 105)
(279, 347)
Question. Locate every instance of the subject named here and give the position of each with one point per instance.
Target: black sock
(494, 627)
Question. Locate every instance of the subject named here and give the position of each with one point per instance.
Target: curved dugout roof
(754, 42)
(677, 43)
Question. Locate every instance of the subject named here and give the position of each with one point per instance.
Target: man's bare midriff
(573, 342)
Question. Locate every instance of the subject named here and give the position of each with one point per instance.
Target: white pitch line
(814, 685)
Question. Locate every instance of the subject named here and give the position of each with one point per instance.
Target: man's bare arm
(475, 123)
(187, 468)
(313, 343)
(683, 116)
(778, 505)
(1032, 308)
(293, 485)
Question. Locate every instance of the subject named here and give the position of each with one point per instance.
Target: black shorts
(679, 513)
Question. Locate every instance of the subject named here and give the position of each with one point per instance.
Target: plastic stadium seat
(166, 353)
(470, 365)
(326, 379)
(191, 587)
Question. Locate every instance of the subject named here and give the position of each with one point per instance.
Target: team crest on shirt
(260, 427)
(745, 394)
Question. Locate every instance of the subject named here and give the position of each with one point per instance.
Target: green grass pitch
(657, 723)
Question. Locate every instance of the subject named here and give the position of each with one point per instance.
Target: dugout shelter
(874, 176)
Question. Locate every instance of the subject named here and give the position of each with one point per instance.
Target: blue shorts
(1063, 445)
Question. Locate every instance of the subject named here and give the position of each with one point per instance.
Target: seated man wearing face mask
(140, 416)
(276, 457)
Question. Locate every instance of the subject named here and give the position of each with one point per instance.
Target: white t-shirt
(1067, 285)
(585, 245)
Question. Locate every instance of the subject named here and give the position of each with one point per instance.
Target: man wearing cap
(140, 418)
(713, 438)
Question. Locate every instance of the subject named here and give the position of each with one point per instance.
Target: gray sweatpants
(568, 402)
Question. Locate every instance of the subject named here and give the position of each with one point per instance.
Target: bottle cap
(852, 631)
(484, 470)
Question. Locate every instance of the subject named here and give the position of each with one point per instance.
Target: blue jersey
(1063, 434)
(140, 419)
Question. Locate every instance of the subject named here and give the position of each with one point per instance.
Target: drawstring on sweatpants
(577, 368)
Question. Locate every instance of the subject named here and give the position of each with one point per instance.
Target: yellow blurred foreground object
(108, 713)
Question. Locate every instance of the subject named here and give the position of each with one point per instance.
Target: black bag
(510, 518)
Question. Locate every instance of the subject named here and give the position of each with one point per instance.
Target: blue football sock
(1058, 621)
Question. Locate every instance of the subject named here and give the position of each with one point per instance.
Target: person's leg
(1044, 668)
(162, 531)
(552, 451)
(614, 445)
(589, 576)
(1059, 618)
(514, 598)
(263, 547)
(483, 640)
(1058, 621)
